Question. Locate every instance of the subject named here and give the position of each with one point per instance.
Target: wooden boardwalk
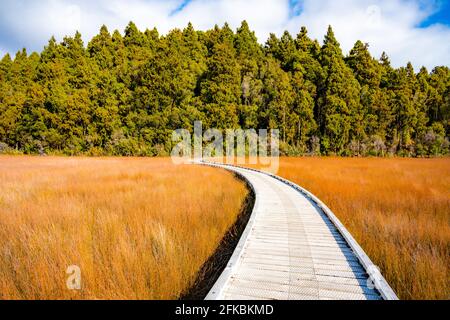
(295, 248)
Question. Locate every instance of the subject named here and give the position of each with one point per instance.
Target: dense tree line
(124, 94)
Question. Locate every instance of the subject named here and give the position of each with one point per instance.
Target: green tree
(220, 87)
(338, 100)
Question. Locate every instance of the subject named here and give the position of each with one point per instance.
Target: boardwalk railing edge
(379, 281)
(219, 285)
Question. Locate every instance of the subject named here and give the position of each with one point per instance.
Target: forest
(124, 94)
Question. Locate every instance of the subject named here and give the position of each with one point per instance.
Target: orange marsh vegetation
(397, 209)
(141, 228)
(137, 228)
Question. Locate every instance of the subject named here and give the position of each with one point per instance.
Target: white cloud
(263, 16)
(387, 25)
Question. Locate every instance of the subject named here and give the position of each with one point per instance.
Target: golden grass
(137, 228)
(141, 228)
(397, 209)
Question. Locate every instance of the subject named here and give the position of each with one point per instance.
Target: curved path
(294, 247)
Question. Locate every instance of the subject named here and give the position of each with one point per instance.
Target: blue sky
(441, 14)
(408, 30)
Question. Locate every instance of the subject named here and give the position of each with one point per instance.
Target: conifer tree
(338, 101)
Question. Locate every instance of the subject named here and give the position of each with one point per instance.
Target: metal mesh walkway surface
(293, 249)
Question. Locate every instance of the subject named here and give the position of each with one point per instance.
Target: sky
(408, 30)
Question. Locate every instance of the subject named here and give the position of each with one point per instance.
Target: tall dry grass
(397, 209)
(137, 228)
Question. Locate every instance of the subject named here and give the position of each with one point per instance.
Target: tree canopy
(124, 94)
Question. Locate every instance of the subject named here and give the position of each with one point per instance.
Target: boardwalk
(295, 248)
